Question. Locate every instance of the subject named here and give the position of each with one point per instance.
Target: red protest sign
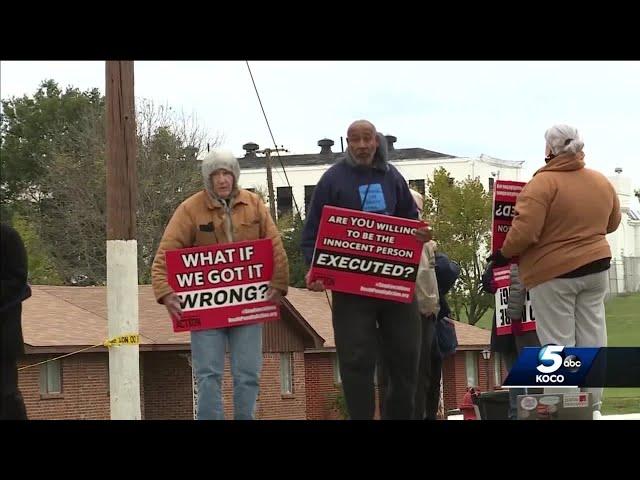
(505, 193)
(222, 285)
(367, 254)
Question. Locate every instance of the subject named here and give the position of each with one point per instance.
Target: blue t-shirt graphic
(372, 198)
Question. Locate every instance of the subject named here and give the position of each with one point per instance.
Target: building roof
(58, 318)
(315, 309)
(61, 318)
(498, 162)
(311, 159)
(471, 337)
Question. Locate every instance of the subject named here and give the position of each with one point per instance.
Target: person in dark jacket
(430, 372)
(365, 180)
(510, 345)
(447, 272)
(14, 289)
(562, 251)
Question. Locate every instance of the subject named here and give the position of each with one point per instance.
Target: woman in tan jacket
(559, 232)
(222, 213)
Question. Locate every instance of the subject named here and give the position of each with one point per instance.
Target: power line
(281, 163)
(273, 139)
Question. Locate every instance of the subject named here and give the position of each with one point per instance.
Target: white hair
(563, 138)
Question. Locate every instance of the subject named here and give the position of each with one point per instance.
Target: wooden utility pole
(122, 249)
(272, 202)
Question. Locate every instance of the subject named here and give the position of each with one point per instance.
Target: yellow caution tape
(131, 339)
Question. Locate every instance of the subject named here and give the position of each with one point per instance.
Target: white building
(415, 164)
(625, 241)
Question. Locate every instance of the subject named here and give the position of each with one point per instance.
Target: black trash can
(494, 405)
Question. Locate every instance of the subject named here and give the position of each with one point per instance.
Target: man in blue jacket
(364, 180)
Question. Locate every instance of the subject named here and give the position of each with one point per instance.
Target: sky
(501, 109)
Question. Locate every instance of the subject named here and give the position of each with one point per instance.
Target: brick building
(60, 320)
(467, 366)
(300, 376)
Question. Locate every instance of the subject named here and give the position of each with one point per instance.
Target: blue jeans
(208, 351)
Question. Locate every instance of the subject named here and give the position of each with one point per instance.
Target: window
(336, 370)
(51, 377)
(497, 369)
(491, 180)
(308, 195)
(417, 185)
(284, 201)
(471, 368)
(375, 374)
(286, 373)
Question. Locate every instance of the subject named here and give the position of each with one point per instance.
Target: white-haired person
(220, 213)
(559, 234)
(429, 305)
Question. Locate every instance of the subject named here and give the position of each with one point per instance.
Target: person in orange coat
(222, 213)
(559, 234)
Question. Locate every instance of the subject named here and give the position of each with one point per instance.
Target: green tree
(32, 130)
(56, 174)
(460, 213)
(290, 227)
(42, 270)
(168, 173)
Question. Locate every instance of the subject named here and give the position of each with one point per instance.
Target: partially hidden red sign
(222, 285)
(367, 254)
(504, 325)
(505, 193)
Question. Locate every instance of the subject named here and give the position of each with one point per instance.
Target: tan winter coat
(426, 283)
(250, 220)
(562, 217)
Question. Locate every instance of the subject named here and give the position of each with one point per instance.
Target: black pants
(363, 326)
(11, 402)
(429, 371)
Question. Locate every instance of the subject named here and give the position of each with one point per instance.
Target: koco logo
(550, 359)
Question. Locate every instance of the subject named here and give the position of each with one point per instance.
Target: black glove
(498, 259)
(487, 277)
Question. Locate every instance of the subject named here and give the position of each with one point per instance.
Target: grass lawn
(484, 322)
(623, 330)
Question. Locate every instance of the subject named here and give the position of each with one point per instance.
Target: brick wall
(85, 388)
(167, 386)
(272, 405)
(455, 377)
(169, 389)
(321, 388)
(455, 380)
(165, 378)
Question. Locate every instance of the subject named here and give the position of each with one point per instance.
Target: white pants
(570, 312)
